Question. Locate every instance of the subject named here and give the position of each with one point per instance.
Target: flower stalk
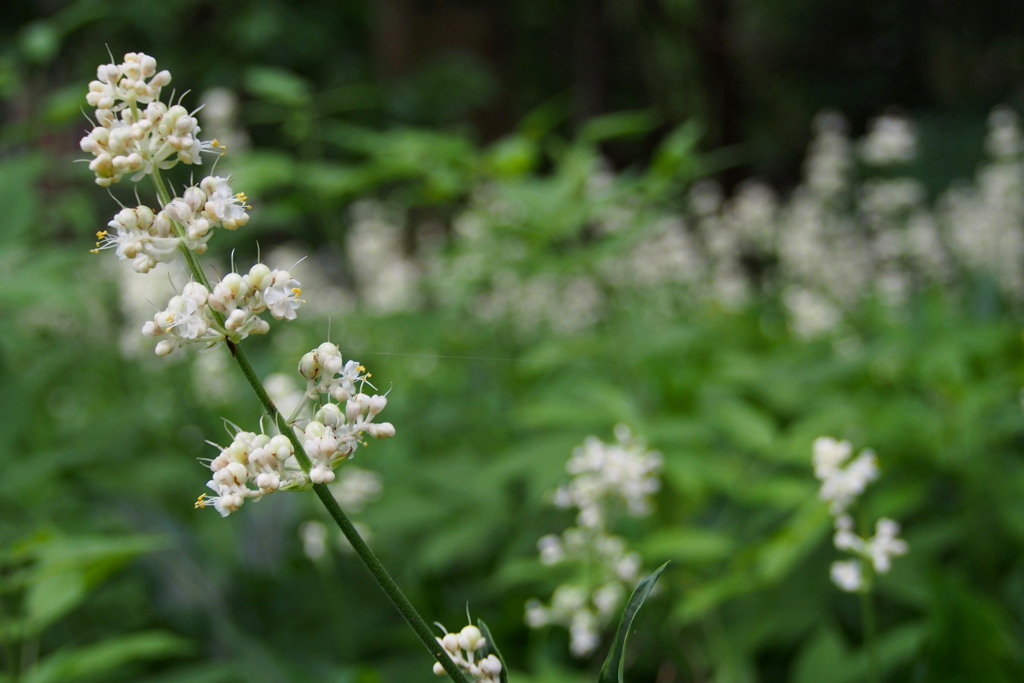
(138, 141)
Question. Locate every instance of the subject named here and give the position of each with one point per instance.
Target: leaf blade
(611, 670)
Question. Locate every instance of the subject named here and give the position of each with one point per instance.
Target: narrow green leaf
(611, 671)
(107, 656)
(494, 649)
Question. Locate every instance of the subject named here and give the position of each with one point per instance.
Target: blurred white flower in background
(843, 480)
(608, 480)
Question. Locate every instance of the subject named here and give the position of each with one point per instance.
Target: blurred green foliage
(108, 574)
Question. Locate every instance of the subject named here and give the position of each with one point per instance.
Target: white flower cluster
(608, 479)
(327, 373)
(334, 434)
(147, 238)
(840, 486)
(877, 550)
(842, 480)
(189, 316)
(605, 474)
(890, 140)
(141, 142)
(129, 139)
(585, 609)
(251, 467)
(256, 464)
(463, 647)
(858, 228)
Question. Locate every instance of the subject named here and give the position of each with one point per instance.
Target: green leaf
(67, 569)
(611, 671)
(105, 657)
(18, 180)
(494, 649)
(691, 545)
(619, 125)
(277, 85)
(827, 658)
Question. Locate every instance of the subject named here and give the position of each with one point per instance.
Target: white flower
(583, 633)
(890, 140)
(841, 485)
(884, 545)
(847, 575)
(604, 474)
(186, 319)
(829, 455)
(608, 597)
(551, 551)
(224, 206)
(282, 295)
(845, 538)
(537, 615)
(314, 539)
(325, 374)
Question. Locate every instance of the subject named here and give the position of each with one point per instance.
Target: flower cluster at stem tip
(130, 139)
(126, 140)
(463, 647)
(842, 480)
(608, 480)
(136, 135)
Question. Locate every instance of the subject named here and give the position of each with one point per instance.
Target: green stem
(867, 615)
(370, 561)
(388, 585)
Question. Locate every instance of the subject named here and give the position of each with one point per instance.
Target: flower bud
(375, 405)
(330, 415)
(321, 474)
(471, 639)
(490, 665)
(259, 276)
(161, 79)
(308, 366)
(382, 430)
(164, 348)
(450, 642)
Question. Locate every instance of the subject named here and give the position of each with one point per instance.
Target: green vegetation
(517, 286)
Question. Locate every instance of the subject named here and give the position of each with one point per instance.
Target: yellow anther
(296, 291)
(200, 502)
(101, 234)
(361, 368)
(94, 251)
